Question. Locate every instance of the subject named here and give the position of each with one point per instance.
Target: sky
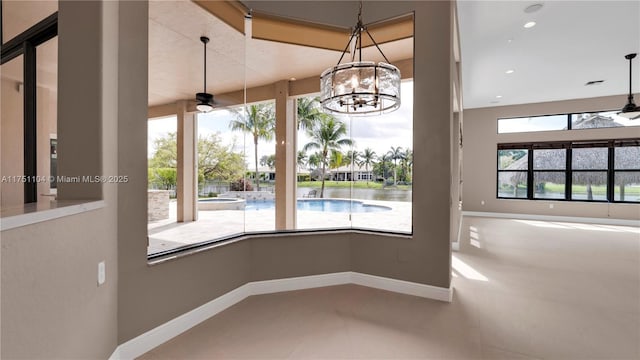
(551, 122)
(379, 133)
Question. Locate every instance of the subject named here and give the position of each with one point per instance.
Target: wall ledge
(576, 219)
(172, 328)
(30, 214)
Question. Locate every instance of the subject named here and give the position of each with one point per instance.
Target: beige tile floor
(168, 234)
(523, 290)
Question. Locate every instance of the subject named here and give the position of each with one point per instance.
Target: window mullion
(610, 173)
(530, 174)
(30, 124)
(568, 174)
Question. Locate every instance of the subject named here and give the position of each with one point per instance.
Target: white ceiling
(573, 42)
(176, 55)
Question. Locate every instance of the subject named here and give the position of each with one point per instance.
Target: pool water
(326, 205)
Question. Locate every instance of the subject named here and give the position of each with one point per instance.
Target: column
(187, 182)
(285, 158)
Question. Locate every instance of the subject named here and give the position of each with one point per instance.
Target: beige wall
(11, 163)
(51, 303)
(47, 110)
(481, 139)
(52, 306)
(152, 295)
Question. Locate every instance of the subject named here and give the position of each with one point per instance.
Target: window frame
(25, 44)
(569, 118)
(609, 144)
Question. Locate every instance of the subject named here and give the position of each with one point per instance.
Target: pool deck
(168, 234)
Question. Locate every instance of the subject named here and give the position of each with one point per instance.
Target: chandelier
(360, 87)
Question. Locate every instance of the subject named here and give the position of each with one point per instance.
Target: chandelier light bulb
(354, 82)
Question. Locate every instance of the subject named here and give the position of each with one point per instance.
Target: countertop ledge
(29, 214)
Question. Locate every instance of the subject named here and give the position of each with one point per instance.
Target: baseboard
(576, 219)
(299, 283)
(403, 287)
(455, 246)
(165, 332)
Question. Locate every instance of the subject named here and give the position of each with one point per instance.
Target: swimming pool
(326, 205)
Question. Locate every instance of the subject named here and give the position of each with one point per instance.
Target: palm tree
(395, 154)
(367, 157)
(336, 159)
(314, 161)
(308, 112)
(351, 157)
(327, 134)
(383, 161)
(260, 123)
(407, 163)
(301, 159)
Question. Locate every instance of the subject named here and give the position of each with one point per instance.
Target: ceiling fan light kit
(630, 110)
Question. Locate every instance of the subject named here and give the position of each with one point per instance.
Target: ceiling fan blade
(226, 101)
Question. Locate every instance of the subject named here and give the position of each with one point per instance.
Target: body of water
(388, 194)
(326, 205)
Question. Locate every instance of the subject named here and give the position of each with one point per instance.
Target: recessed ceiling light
(293, 79)
(530, 24)
(498, 96)
(510, 71)
(533, 8)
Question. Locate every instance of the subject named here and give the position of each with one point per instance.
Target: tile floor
(168, 234)
(523, 290)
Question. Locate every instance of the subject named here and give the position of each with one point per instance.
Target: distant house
(351, 173)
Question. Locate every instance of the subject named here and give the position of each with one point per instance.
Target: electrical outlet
(102, 273)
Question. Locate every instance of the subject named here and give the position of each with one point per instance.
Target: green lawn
(597, 190)
(348, 184)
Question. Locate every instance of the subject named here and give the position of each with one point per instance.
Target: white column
(285, 158)
(187, 182)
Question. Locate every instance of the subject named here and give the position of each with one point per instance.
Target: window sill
(151, 261)
(29, 214)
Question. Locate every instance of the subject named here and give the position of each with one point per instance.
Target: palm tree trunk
(621, 192)
(322, 188)
(589, 191)
(367, 168)
(255, 152)
(395, 170)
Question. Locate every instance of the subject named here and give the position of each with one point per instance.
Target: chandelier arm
(360, 39)
(346, 48)
(377, 47)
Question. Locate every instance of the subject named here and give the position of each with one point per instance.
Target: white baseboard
(299, 283)
(576, 219)
(455, 246)
(172, 328)
(403, 287)
(165, 332)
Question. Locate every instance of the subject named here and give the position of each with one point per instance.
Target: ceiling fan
(204, 99)
(630, 110)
